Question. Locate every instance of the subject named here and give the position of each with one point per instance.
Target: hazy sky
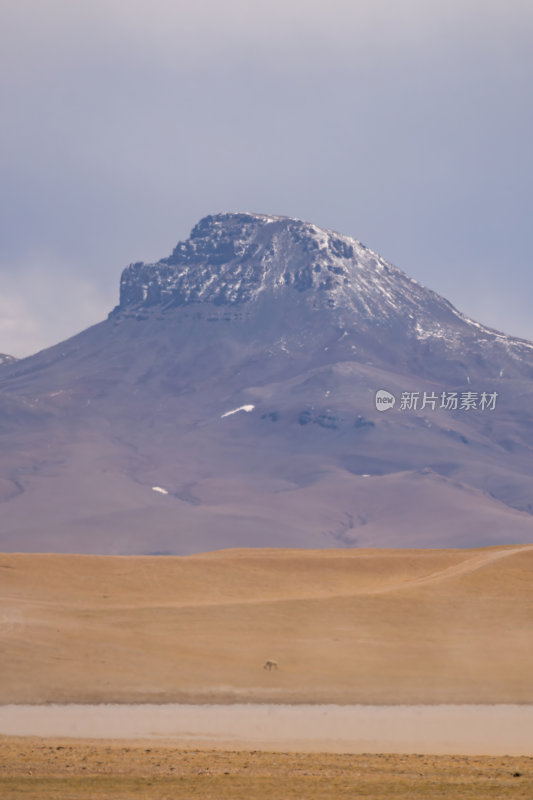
(405, 123)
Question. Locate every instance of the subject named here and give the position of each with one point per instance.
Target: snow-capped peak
(237, 257)
(232, 259)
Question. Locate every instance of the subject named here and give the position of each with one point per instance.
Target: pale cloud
(46, 302)
(19, 329)
(194, 34)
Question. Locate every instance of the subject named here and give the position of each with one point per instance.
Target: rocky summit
(231, 260)
(270, 383)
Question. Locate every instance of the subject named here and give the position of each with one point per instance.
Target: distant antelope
(270, 665)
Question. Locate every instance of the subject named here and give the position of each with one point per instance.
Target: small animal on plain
(270, 664)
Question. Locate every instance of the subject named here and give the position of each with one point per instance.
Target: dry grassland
(346, 626)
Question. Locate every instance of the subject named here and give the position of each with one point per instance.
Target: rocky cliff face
(232, 260)
(236, 258)
(229, 400)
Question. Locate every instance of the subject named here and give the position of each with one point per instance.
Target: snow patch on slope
(247, 408)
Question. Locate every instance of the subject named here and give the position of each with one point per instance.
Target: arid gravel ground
(45, 769)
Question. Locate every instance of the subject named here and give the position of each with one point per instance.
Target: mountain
(4, 359)
(230, 400)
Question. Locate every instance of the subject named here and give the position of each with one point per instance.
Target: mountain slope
(127, 437)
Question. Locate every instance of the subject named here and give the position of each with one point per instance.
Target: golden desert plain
(346, 627)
